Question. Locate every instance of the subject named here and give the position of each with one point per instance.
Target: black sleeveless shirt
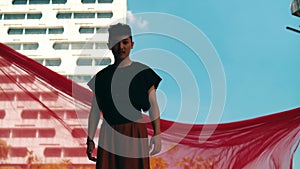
(122, 93)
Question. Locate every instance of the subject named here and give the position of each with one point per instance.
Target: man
(121, 92)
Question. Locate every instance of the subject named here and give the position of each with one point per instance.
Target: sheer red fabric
(52, 111)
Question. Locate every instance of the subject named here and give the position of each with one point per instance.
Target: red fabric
(267, 142)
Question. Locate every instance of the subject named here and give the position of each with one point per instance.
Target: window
(29, 114)
(105, 15)
(35, 31)
(88, 1)
(15, 31)
(45, 114)
(84, 15)
(84, 62)
(15, 46)
(46, 133)
(4, 79)
(77, 114)
(101, 46)
(59, 1)
(105, 1)
(24, 97)
(102, 62)
(39, 60)
(64, 15)
(33, 46)
(50, 96)
(4, 133)
(24, 133)
(82, 45)
(75, 152)
(71, 114)
(18, 152)
(25, 79)
(14, 16)
(56, 30)
(0, 16)
(81, 114)
(19, 2)
(34, 16)
(39, 1)
(86, 30)
(61, 46)
(60, 113)
(101, 30)
(78, 133)
(52, 62)
(78, 79)
(52, 152)
(2, 114)
(7, 97)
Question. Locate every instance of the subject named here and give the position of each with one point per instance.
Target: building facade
(67, 36)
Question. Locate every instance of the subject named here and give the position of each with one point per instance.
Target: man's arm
(93, 122)
(94, 118)
(155, 120)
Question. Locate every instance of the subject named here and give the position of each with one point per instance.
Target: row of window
(83, 15)
(60, 30)
(27, 133)
(92, 30)
(20, 31)
(45, 96)
(62, 15)
(79, 45)
(65, 152)
(23, 46)
(81, 133)
(41, 2)
(93, 61)
(45, 114)
(24, 2)
(49, 62)
(16, 78)
(79, 62)
(21, 16)
(50, 152)
(60, 46)
(95, 1)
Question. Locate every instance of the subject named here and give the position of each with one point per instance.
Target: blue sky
(260, 57)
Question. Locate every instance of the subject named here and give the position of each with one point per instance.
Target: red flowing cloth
(267, 142)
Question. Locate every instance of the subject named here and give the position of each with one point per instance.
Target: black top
(122, 93)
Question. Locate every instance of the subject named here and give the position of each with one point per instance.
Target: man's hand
(155, 144)
(89, 150)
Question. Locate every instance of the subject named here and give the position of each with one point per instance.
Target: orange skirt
(123, 146)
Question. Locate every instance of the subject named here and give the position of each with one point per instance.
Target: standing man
(121, 92)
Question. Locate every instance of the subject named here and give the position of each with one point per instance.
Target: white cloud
(137, 21)
(130, 17)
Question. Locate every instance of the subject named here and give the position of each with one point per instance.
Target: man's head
(120, 40)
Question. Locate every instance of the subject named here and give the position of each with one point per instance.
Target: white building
(67, 36)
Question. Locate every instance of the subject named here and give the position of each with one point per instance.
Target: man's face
(121, 46)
